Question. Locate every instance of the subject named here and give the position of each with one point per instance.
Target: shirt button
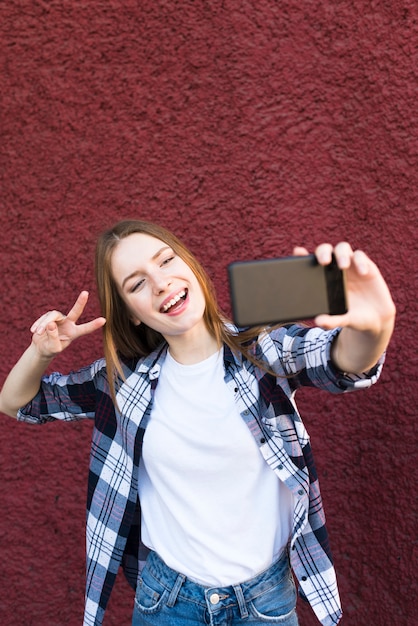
(300, 492)
(214, 598)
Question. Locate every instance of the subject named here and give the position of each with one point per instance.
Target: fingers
(50, 321)
(77, 310)
(42, 322)
(300, 251)
(78, 307)
(48, 339)
(56, 316)
(342, 253)
(362, 262)
(90, 327)
(323, 253)
(345, 257)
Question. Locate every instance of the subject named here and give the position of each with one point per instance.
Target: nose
(160, 282)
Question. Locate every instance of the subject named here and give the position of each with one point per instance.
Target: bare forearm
(356, 351)
(23, 381)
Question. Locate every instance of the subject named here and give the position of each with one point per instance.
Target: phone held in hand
(284, 289)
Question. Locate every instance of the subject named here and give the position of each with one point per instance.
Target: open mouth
(174, 302)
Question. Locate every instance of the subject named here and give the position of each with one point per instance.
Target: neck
(189, 352)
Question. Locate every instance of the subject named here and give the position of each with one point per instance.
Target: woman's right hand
(54, 331)
(51, 334)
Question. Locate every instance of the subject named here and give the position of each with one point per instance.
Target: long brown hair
(124, 339)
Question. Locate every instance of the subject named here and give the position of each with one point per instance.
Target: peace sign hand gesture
(53, 331)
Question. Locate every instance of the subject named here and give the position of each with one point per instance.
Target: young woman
(197, 422)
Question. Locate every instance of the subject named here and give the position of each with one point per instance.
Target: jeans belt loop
(175, 590)
(241, 601)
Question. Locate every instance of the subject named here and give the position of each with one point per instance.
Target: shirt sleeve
(66, 397)
(303, 354)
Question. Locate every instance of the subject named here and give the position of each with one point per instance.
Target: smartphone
(285, 289)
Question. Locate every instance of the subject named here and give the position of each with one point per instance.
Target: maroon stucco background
(246, 127)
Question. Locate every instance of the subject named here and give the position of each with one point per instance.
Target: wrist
(38, 356)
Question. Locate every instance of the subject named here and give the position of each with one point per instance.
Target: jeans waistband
(215, 596)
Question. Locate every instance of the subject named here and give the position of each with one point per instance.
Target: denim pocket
(277, 604)
(150, 594)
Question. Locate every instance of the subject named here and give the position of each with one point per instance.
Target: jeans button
(214, 598)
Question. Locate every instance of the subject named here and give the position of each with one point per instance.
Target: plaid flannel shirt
(300, 356)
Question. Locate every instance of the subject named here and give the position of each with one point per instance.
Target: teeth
(174, 301)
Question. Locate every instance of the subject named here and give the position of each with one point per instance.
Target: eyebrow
(136, 272)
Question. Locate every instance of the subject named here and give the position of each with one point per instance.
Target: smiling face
(158, 287)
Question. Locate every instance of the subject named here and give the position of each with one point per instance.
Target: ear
(135, 321)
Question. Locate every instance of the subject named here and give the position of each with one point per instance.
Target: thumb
(50, 328)
(331, 321)
(53, 332)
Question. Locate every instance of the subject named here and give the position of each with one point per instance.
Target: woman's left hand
(369, 302)
(369, 321)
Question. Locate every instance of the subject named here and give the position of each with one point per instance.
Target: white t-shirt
(211, 507)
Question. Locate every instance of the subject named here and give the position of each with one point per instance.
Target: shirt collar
(152, 363)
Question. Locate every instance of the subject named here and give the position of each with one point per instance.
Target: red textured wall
(246, 127)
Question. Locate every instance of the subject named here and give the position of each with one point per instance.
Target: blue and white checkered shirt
(300, 356)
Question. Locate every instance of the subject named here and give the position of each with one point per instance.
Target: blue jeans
(166, 598)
